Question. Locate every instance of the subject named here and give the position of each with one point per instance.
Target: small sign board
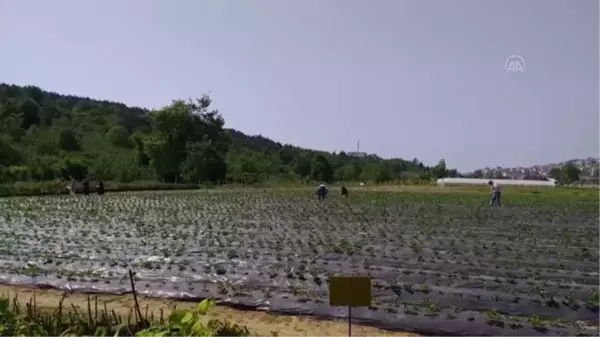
(349, 291)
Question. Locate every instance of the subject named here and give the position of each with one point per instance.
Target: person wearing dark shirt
(344, 192)
(100, 188)
(86, 187)
(322, 192)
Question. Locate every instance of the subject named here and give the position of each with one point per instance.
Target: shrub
(33, 321)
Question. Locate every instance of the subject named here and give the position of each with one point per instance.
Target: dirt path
(259, 323)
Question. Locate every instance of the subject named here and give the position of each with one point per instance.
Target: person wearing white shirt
(496, 194)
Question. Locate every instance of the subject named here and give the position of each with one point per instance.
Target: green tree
(565, 174)
(44, 167)
(141, 158)
(440, 170)
(286, 154)
(9, 153)
(40, 132)
(247, 169)
(452, 173)
(376, 172)
(10, 119)
(74, 169)
(203, 163)
(68, 140)
(570, 173)
(302, 165)
(348, 172)
(164, 160)
(19, 173)
(321, 169)
(118, 136)
(556, 173)
(175, 126)
(30, 114)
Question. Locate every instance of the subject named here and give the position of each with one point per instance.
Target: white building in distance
(357, 154)
(512, 182)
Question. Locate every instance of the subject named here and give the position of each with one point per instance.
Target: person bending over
(496, 194)
(322, 192)
(344, 192)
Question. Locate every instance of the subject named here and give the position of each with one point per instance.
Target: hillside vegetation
(47, 136)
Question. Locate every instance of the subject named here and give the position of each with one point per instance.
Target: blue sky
(409, 78)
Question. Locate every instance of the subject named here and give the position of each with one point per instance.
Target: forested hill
(47, 136)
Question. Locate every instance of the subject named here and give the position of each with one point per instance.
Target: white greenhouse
(514, 182)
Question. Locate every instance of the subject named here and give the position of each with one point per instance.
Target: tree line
(48, 136)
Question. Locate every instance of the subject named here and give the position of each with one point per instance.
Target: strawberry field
(441, 263)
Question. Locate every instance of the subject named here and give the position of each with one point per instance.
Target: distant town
(589, 168)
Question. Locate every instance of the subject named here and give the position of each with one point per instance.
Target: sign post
(349, 291)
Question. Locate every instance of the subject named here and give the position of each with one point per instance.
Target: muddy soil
(440, 264)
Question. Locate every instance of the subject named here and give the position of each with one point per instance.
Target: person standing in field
(71, 187)
(86, 187)
(344, 192)
(496, 194)
(322, 192)
(100, 188)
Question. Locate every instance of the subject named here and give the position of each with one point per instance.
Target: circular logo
(514, 64)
